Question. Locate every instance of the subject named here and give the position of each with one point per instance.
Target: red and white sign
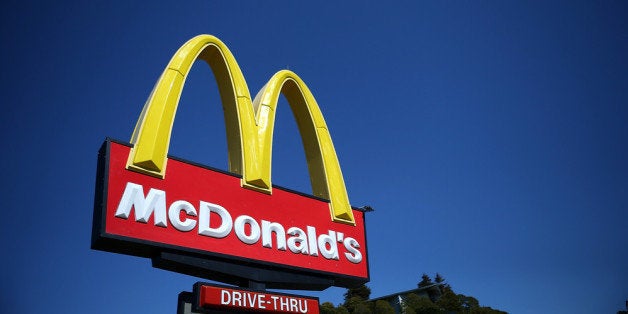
(202, 211)
(210, 296)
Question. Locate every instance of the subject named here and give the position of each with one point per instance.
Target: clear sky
(490, 137)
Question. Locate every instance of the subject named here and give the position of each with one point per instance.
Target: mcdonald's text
(153, 206)
(202, 212)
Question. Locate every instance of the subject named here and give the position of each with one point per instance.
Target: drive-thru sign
(230, 226)
(208, 296)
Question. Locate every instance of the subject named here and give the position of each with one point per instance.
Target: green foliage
(443, 287)
(439, 278)
(327, 308)
(468, 302)
(362, 308)
(425, 281)
(342, 310)
(362, 291)
(446, 301)
(353, 303)
(449, 302)
(486, 310)
(383, 307)
(409, 311)
(471, 305)
(355, 300)
(420, 305)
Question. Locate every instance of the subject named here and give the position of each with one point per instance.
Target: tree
(443, 286)
(341, 310)
(449, 301)
(486, 310)
(362, 291)
(439, 278)
(354, 303)
(425, 281)
(383, 307)
(468, 303)
(420, 305)
(409, 310)
(355, 299)
(362, 308)
(327, 308)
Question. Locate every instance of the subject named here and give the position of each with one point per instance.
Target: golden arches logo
(249, 124)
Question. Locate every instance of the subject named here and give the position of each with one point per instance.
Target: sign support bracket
(256, 285)
(239, 275)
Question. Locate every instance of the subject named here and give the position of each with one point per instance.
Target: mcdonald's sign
(230, 226)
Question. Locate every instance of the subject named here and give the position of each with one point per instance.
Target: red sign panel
(238, 300)
(206, 212)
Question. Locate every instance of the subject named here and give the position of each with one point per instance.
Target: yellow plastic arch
(249, 125)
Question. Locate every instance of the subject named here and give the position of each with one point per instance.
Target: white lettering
(298, 242)
(302, 306)
(293, 305)
(181, 215)
(237, 297)
(354, 256)
(204, 216)
(283, 303)
(241, 232)
(261, 301)
(311, 234)
(134, 197)
(225, 297)
(252, 298)
(328, 246)
(267, 229)
(174, 214)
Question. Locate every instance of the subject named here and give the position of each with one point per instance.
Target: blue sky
(490, 137)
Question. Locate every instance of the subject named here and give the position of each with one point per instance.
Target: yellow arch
(249, 125)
